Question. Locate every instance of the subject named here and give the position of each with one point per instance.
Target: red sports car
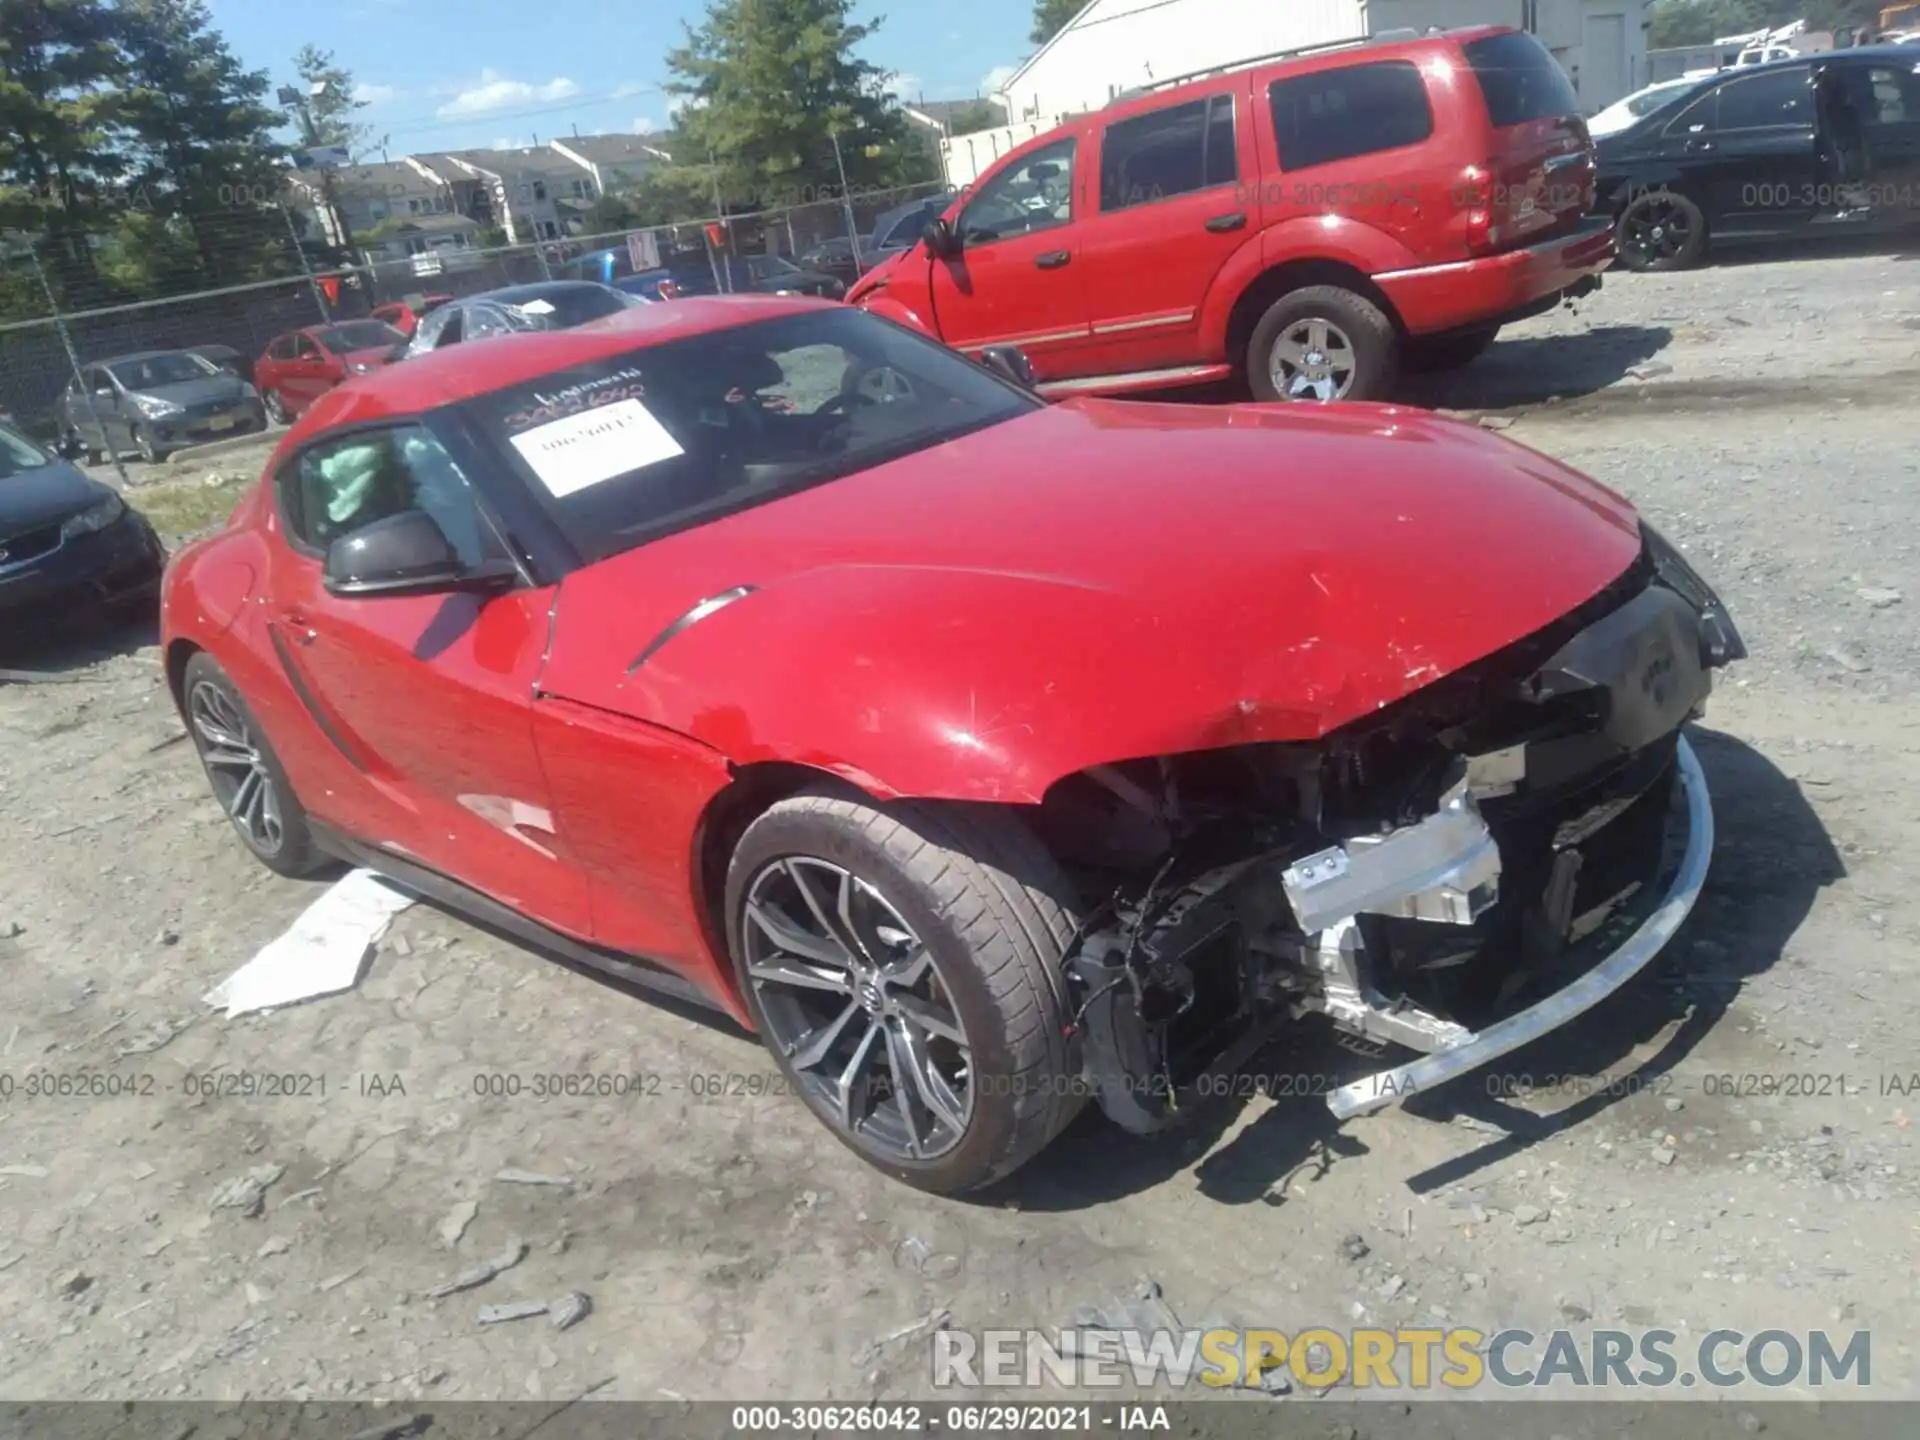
(981, 755)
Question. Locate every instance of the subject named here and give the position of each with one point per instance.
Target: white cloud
(683, 102)
(495, 93)
(643, 125)
(526, 144)
(375, 94)
(995, 79)
(904, 85)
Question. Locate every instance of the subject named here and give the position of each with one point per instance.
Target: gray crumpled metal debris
(480, 1274)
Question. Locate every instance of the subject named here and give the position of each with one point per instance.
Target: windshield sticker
(596, 445)
(623, 384)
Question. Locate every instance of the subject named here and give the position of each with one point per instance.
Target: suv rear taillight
(1475, 191)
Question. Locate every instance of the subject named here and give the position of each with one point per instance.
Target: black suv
(1827, 141)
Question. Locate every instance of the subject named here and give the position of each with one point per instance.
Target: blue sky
(450, 74)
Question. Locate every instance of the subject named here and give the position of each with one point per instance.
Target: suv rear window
(1356, 110)
(1520, 80)
(1174, 151)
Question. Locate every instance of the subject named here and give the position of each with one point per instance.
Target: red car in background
(302, 365)
(982, 755)
(1309, 225)
(405, 315)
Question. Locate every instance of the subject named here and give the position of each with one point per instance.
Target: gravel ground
(1731, 1145)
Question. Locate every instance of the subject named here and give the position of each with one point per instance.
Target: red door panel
(1172, 210)
(430, 697)
(1016, 280)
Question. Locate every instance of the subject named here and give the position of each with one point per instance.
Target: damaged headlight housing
(1720, 641)
(97, 516)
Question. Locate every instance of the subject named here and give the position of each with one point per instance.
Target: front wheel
(903, 965)
(1323, 343)
(276, 407)
(1660, 231)
(150, 451)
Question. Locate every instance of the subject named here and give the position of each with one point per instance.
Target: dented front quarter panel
(1094, 582)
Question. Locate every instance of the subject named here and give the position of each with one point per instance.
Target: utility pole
(846, 197)
(291, 97)
(720, 212)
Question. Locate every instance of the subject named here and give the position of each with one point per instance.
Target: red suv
(1312, 223)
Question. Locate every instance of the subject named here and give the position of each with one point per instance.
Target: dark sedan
(1821, 142)
(67, 543)
(516, 310)
(155, 402)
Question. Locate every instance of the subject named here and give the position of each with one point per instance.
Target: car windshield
(18, 454)
(156, 370)
(359, 335)
(565, 306)
(1622, 113)
(624, 449)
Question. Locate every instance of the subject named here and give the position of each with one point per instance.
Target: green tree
(335, 105)
(978, 115)
(769, 85)
(1050, 17)
(57, 107)
(199, 144)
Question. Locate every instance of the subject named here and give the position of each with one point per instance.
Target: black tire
(1660, 231)
(1369, 335)
(995, 915)
(295, 854)
(1454, 351)
(275, 407)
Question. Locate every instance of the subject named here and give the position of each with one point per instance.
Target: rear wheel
(245, 774)
(1451, 352)
(1323, 343)
(902, 963)
(1661, 230)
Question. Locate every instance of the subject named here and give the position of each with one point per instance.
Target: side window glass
(1352, 111)
(1036, 194)
(484, 322)
(1697, 118)
(1781, 97)
(1169, 152)
(332, 490)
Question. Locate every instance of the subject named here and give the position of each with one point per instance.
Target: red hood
(876, 278)
(1095, 582)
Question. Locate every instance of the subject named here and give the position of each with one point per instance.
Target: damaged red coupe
(982, 756)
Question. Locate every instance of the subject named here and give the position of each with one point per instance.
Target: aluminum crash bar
(1469, 1052)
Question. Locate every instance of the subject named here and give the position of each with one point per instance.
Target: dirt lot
(1752, 1167)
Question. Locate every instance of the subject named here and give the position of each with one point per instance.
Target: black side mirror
(406, 554)
(941, 241)
(1009, 362)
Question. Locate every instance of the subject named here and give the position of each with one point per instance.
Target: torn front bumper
(1454, 1051)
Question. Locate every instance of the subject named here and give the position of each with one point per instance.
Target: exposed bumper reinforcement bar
(1388, 1087)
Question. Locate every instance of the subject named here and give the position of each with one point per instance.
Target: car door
(429, 698)
(1759, 161)
(1013, 280)
(93, 411)
(1169, 213)
(306, 373)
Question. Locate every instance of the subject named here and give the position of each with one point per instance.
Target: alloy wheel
(242, 783)
(851, 998)
(1313, 359)
(144, 439)
(1656, 228)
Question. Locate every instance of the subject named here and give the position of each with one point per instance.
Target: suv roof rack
(1385, 37)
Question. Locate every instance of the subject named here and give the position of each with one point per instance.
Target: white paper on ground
(321, 953)
(595, 446)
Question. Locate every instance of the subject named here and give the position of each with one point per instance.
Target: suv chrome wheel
(854, 1003)
(1313, 359)
(241, 780)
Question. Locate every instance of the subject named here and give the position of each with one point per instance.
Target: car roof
(460, 372)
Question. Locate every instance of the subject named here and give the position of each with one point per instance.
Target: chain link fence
(67, 304)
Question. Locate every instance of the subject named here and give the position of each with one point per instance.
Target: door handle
(1699, 147)
(1220, 224)
(1053, 259)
